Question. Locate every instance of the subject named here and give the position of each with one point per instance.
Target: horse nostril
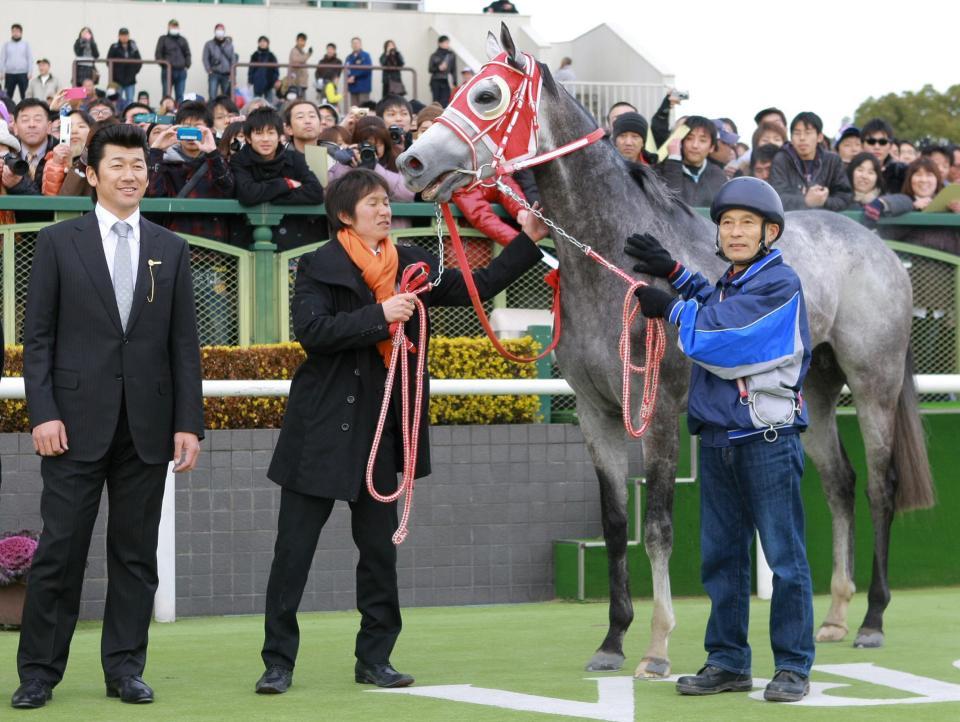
(413, 164)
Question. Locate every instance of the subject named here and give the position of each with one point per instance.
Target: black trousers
(298, 530)
(16, 81)
(68, 506)
(440, 89)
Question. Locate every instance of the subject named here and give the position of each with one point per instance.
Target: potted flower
(16, 556)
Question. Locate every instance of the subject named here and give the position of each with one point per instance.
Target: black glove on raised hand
(653, 301)
(654, 258)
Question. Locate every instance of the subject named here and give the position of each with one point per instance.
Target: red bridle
(512, 131)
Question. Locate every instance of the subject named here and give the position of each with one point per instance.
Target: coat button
(350, 399)
(356, 372)
(344, 427)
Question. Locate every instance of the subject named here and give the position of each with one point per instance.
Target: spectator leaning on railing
(392, 58)
(805, 175)
(263, 80)
(31, 126)
(877, 138)
(218, 60)
(86, 51)
(191, 169)
(175, 49)
(9, 148)
(125, 74)
(443, 71)
(267, 172)
(326, 78)
(359, 80)
(299, 55)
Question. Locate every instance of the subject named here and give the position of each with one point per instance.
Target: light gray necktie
(123, 272)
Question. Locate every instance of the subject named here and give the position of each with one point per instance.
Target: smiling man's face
(120, 179)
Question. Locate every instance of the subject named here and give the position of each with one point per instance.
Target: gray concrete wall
(482, 528)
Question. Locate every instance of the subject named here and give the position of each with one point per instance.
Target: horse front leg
(660, 449)
(605, 440)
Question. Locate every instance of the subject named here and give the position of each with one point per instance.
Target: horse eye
(486, 96)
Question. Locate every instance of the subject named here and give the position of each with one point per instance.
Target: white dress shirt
(106, 220)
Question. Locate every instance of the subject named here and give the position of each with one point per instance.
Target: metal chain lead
(504, 188)
(436, 208)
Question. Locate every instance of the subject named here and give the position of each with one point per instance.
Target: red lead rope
(414, 280)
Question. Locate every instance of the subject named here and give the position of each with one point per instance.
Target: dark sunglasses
(876, 141)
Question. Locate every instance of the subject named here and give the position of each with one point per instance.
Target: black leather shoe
(275, 680)
(382, 675)
(31, 694)
(132, 690)
(787, 686)
(712, 680)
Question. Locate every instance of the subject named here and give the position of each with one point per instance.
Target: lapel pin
(150, 264)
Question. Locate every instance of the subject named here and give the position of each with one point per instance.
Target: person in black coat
(112, 375)
(687, 170)
(263, 79)
(265, 172)
(332, 412)
(805, 175)
(125, 74)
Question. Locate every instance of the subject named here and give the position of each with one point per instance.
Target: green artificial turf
(205, 669)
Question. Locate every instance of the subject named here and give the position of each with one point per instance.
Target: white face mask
(174, 31)
(219, 34)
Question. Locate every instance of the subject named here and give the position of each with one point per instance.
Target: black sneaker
(787, 686)
(712, 680)
(276, 680)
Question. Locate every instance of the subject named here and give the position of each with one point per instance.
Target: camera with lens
(344, 156)
(368, 155)
(396, 134)
(18, 166)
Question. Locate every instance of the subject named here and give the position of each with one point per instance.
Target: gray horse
(859, 305)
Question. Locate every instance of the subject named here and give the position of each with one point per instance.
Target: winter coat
(125, 73)
(84, 49)
(697, 192)
(218, 56)
(477, 209)
(264, 181)
(391, 60)
(336, 393)
(16, 58)
(175, 50)
(362, 78)
(71, 180)
(43, 89)
(438, 57)
(327, 75)
(262, 79)
(787, 178)
(298, 59)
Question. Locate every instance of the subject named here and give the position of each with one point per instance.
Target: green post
(543, 335)
(265, 314)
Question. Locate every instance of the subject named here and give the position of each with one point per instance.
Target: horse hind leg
(608, 449)
(822, 443)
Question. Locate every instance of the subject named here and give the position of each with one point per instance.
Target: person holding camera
(31, 121)
(184, 163)
(267, 172)
(64, 170)
(443, 71)
(10, 153)
(392, 82)
(299, 55)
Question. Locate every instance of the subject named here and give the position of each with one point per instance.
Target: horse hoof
(653, 668)
(868, 639)
(605, 662)
(831, 632)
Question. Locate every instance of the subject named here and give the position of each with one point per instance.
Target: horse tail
(910, 462)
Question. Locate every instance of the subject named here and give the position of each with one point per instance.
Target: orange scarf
(379, 272)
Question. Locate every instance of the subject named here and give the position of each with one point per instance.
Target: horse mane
(654, 189)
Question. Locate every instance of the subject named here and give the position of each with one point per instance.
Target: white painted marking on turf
(614, 703)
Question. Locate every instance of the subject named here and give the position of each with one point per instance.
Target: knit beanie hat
(630, 123)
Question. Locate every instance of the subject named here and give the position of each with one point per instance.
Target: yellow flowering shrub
(450, 358)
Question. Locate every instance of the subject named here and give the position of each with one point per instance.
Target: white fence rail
(597, 97)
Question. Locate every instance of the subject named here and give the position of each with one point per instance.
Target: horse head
(492, 120)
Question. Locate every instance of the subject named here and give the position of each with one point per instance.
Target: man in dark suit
(112, 374)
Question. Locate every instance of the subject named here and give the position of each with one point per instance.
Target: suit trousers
(298, 530)
(68, 506)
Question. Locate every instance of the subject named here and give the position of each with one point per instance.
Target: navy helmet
(750, 194)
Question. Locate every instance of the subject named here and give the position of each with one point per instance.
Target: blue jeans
(217, 84)
(128, 93)
(178, 78)
(755, 486)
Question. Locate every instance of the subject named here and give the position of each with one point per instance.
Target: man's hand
(653, 301)
(816, 196)
(532, 225)
(208, 143)
(399, 307)
(50, 438)
(9, 179)
(654, 259)
(186, 449)
(166, 138)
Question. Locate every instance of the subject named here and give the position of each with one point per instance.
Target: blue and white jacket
(751, 326)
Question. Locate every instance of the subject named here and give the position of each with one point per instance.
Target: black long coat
(336, 393)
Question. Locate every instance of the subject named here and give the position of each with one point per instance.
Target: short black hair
(124, 135)
(930, 148)
(698, 121)
(83, 114)
(301, 35)
(392, 101)
(442, 39)
(142, 107)
(807, 117)
(263, 37)
(225, 101)
(763, 154)
(101, 101)
(16, 26)
(866, 157)
(769, 111)
(876, 125)
(346, 191)
(332, 45)
(193, 110)
(288, 109)
(260, 119)
(729, 122)
(30, 103)
(621, 104)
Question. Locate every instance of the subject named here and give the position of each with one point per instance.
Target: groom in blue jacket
(750, 344)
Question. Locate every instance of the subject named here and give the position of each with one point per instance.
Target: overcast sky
(737, 57)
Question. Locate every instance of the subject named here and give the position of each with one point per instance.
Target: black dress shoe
(382, 675)
(712, 680)
(276, 680)
(787, 686)
(32, 693)
(132, 690)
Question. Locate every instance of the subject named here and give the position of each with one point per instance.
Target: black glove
(654, 258)
(653, 301)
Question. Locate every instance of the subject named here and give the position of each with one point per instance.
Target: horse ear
(506, 41)
(493, 46)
